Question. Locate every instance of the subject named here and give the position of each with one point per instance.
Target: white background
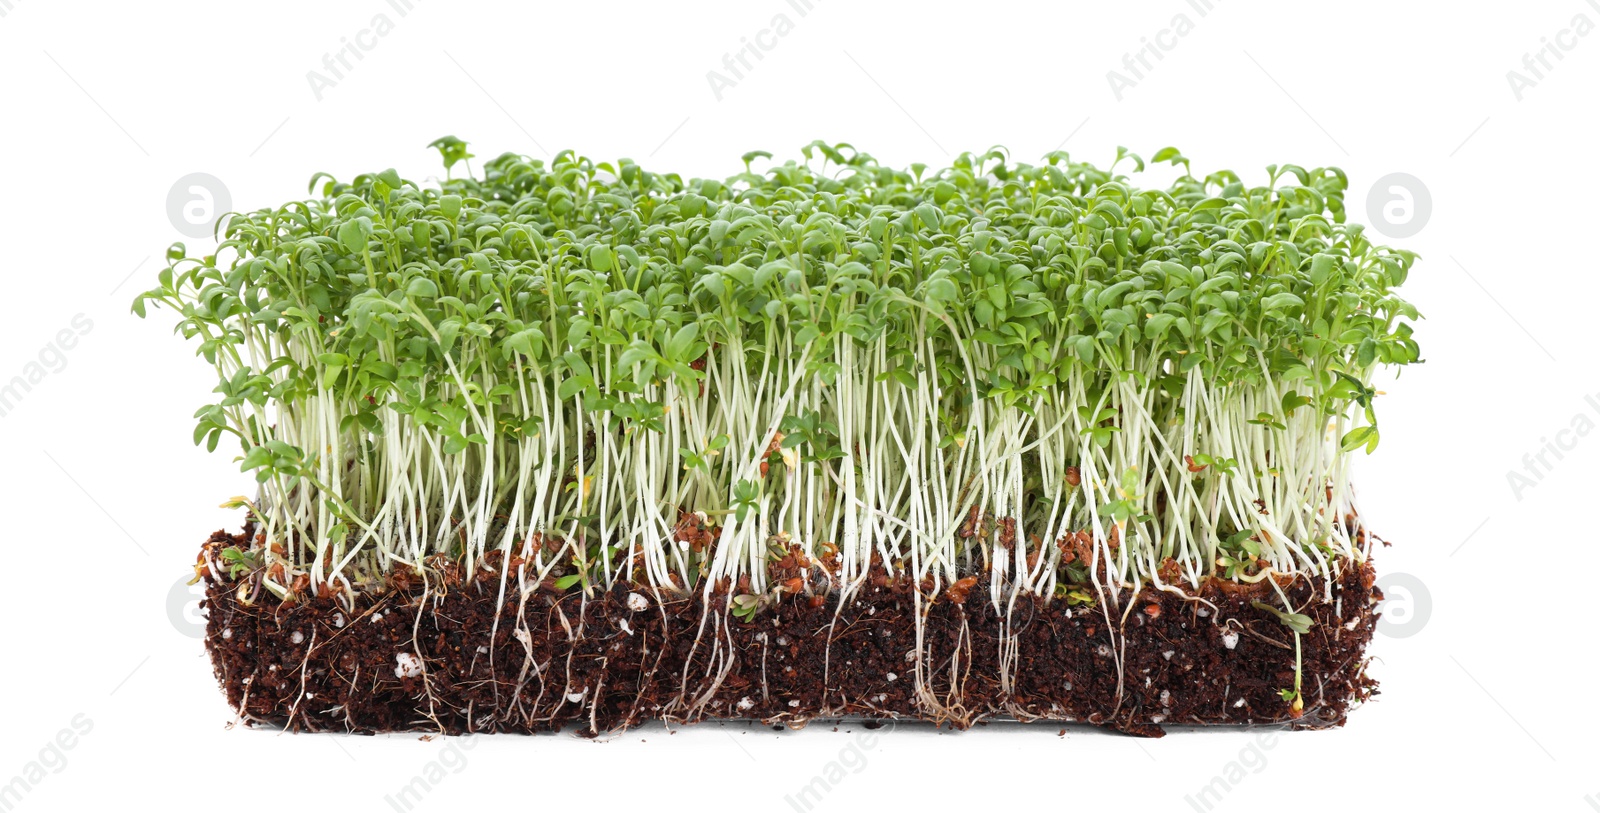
(1487, 700)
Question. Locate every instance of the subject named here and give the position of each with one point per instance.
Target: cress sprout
(1038, 373)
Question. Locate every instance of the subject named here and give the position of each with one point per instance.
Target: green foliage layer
(1040, 374)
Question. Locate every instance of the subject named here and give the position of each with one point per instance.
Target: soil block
(442, 659)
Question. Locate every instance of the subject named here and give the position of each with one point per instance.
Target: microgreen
(846, 355)
(745, 606)
(1301, 624)
(1074, 596)
(239, 562)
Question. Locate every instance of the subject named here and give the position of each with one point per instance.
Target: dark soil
(596, 665)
